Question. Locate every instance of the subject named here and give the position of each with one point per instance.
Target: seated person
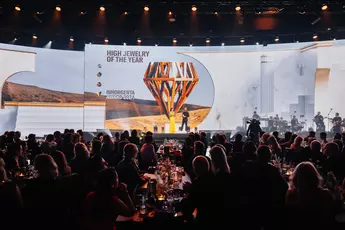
(147, 154)
(128, 170)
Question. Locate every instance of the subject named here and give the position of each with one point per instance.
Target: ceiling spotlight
(237, 8)
(315, 37)
(139, 40)
(276, 39)
(170, 13)
(257, 43)
(17, 8)
(208, 41)
(58, 8)
(223, 44)
(334, 39)
(156, 44)
(83, 12)
(194, 9)
(328, 29)
(126, 13)
(34, 37)
(242, 40)
(215, 13)
(106, 40)
(124, 44)
(324, 7)
(71, 39)
(146, 8)
(174, 41)
(102, 8)
(190, 45)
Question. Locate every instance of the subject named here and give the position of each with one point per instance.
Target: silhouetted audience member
(187, 153)
(276, 135)
(237, 145)
(49, 145)
(61, 162)
(128, 170)
(147, 154)
(108, 150)
(134, 137)
(33, 147)
(80, 162)
(337, 136)
(68, 147)
(309, 205)
(227, 145)
(58, 140)
(110, 200)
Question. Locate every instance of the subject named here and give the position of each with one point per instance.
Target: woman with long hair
(60, 159)
(110, 200)
(309, 204)
(274, 146)
(80, 162)
(68, 147)
(107, 150)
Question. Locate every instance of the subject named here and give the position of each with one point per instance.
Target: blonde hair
(219, 160)
(305, 177)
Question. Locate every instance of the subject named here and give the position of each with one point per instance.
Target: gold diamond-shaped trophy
(170, 84)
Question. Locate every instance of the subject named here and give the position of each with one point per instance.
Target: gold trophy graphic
(171, 83)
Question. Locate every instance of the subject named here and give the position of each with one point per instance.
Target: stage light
(328, 29)
(83, 12)
(102, 8)
(139, 40)
(124, 44)
(48, 45)
(156, 44)
(17, 8)
(208, 41)
(190, 45)
(71, 39)
(324, 7)
(58, 8)
(276, 39)
(174, 41)
(315, 37)
(106, 40)
(170, 13)
(215, 13)
(334, 39)
(297, 41)
(242, 40)
(237, 8)
(126, 13)
(257, 43)
(34, 37)
(223, 44)
(194, 9)
(146, 8)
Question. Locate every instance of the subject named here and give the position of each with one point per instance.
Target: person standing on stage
(294, 124)
(320, 125)
(256, 116)
(336, 123)
(185, 116)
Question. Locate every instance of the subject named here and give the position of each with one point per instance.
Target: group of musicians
(278, 123)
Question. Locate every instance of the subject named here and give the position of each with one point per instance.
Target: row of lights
(208, 40)
(147, 8)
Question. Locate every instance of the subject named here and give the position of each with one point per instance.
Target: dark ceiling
(258, 21)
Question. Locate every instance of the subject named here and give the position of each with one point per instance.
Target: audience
(241, 185)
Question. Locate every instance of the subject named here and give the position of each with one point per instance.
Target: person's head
(32, 137)
(130, 152)
(75, 138)
(126, 134)
(298, 142)
(107, 139)
(81, 151)
(148, 139)
(337, 136)
(323, 136)
(238, 137)
(275, 134)
(200, 166)
(249, 148)
(17, 135)
(61, 162)
(107, 180)
(337, 114)
(287, 136)
(273, 143)
(305, 177)
(117, 136)
(311, 134)
(46, 166)
(100, 135)
(219, 160)
(57, 135)
(254, 112)
(315, 146)
(67, 138)
(149, 133)
(264, 138)
(221, 139)
(96, 146)
(264, 154)
(199, 148)
(203, 135)
(319, 113)
(72, 131)
(294, 117)
(277, 115)
(340, 145)
(188, 142)
(331, 149)
(66, 131)
(134, 133)
(197, 137)
(185, 109)
(50, 138)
